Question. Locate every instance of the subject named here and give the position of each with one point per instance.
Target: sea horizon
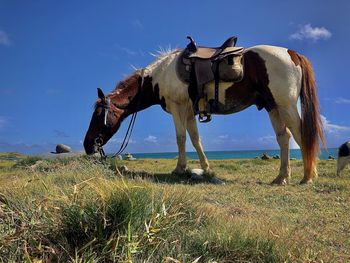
(237, 154)
(214, 155)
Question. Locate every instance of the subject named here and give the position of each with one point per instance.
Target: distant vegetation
(11, 155)
(80, 210)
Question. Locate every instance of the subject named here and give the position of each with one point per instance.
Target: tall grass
(78, 210)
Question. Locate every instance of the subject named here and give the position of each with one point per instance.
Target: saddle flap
(203, 71)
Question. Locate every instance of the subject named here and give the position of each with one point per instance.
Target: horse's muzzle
(90, 147)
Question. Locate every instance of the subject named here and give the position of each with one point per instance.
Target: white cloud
(137, 23)
(151, 139)
(266, 142)
(342, 101)
(221, 139)
(311, 33)
(60, 134)
(3, 122)
(119, 140)
(126, 50)
(333, 128)
(267, 139)
(270, 140)
(4, 39)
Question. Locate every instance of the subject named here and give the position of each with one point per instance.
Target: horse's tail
(311, 123)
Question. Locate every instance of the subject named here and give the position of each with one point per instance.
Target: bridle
(99, 140)
(106, 106)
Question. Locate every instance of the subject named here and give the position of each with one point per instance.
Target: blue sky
(54, 54)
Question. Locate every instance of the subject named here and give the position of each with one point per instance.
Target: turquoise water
(220, 155)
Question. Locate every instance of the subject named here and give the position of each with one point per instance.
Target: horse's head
(104, 123)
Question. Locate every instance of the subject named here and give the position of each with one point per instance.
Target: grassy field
(80, 210)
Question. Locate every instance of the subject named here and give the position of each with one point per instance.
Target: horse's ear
(100, 94)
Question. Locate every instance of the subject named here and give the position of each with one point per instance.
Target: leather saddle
(200, 65)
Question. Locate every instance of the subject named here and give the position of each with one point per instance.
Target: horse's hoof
(306, 181)
(280, 181)
(179, 171)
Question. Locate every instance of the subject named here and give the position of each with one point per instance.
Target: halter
(106, 107)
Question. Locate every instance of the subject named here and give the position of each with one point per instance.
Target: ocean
(221, 155)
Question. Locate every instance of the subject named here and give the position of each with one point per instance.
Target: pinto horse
(274, 79)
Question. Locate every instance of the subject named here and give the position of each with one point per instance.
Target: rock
(61, 148)
(129, 157)
(123, 169)
(265, 156)
(277, 157)
(197, 174)
(330, 157)
(215, 180)
(118, 157)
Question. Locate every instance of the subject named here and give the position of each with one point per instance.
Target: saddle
(198, 66)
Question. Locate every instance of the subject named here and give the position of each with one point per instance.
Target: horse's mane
(161, 55)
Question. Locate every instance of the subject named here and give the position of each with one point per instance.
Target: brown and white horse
(274, 79)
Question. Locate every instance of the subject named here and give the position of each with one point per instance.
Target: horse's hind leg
(283, 135)
(196, 141)
(292, 119)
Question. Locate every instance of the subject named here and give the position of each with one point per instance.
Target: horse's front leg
(196, 140)
(180, 121)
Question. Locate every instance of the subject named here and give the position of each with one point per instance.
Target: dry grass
(80, 210)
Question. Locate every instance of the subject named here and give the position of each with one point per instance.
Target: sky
(54, 54)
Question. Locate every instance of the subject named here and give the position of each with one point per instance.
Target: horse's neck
(147, 96)
(137, 93)
(144, 85)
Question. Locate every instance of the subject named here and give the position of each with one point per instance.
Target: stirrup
(204, 117)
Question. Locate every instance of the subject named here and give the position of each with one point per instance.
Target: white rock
(197, 174)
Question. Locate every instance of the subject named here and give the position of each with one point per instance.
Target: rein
(127, 135)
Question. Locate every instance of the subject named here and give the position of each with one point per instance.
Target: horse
(343, 156)
(274, 78)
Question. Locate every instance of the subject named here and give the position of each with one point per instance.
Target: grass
(80, 210)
